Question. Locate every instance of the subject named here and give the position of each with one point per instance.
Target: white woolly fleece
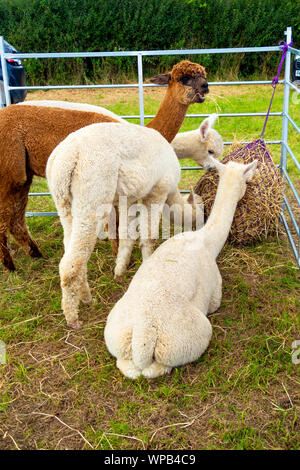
(160, 322)
(87, 173)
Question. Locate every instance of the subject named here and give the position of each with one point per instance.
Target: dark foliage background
(113, 25)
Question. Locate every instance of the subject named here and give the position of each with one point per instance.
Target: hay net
(258, 213)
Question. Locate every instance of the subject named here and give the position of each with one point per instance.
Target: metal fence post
(286, 100)
(4, 72)
(141, 90)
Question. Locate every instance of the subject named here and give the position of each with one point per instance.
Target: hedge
(116, 25)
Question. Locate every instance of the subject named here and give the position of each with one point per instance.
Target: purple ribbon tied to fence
(276, 78)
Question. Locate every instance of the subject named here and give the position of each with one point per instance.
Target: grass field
(60, 389)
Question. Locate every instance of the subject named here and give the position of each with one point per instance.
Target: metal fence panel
(286, 118)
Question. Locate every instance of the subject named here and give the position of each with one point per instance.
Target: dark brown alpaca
(186, 85)
(28, 134)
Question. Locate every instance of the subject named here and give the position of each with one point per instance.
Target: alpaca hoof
(155, 370)
(119, 271)
(34, 252)
(117, 278)
(87, 300)
(128, 368)
(75, 325)
(9, 265)
(114, 246)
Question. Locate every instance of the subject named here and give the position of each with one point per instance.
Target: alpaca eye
(185, 80)
(211, 152)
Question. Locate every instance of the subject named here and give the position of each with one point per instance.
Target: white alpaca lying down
(161, 322)
(87, 173)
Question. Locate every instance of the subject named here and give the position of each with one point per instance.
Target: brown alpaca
(28, 134)
(186, 85)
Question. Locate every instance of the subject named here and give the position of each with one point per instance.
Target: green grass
(60, 389)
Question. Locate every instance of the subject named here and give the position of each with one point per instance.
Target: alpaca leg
(187, 212)
(125, 244)
(128, 368)
(18, 227)
(118, 340)
(182, 338)
(155, 370)
(66, 221)
(123, 257)
(6, 213)
(22, 236)
(216, 298)
(5, 256)
(71, 282)
(150, 220)
(113, 230)
(147, 247)
(85, 293)
(73, 269)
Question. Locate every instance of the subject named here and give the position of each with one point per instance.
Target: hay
(258, 212)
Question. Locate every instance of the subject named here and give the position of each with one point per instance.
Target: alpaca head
(187, 80)
(200, 144)
(233, 175)
(211, 143)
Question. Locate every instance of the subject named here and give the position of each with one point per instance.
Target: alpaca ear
(191, 197)
(206, 125)
(217, 165)
(194, 199)
(250, 170)
(211, 162)
(161, 79)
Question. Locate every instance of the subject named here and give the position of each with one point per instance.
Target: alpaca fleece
(36, 132)
(199, 144)
(28, 135)
(161, 321)
(71, 105)
(186, 67)
(87, 173)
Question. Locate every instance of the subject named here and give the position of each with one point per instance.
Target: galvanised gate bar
(292, 229)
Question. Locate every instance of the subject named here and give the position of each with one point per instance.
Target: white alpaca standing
(161, 322)
(87, 173)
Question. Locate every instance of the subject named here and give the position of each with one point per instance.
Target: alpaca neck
(170, 115)
(218, 225)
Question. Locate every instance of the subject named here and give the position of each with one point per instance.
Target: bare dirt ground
(102, 96)
(107, 97)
